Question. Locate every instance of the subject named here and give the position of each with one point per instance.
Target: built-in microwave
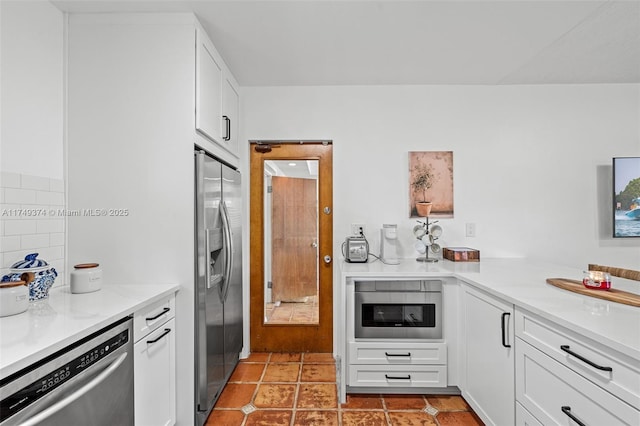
(398, 309)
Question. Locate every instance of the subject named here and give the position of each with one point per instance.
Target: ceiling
(365, 42)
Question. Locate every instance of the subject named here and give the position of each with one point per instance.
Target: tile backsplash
(32, 220)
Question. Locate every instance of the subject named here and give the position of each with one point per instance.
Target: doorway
(291, 268)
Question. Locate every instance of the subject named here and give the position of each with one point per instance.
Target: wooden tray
(612, 294)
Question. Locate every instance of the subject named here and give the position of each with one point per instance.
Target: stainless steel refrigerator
(218, 276)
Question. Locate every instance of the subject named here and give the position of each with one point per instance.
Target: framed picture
(626, 197)
(431, 184)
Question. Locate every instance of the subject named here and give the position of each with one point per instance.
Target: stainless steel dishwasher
(87, 383)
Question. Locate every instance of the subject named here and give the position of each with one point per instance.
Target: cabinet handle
(228, 128)
(583, 359)
(504, 336)
(164, 311)
(567, 410)
(388, 354)
(407, 377)
(166, 331)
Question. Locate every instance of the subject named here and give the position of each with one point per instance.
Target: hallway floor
(300, 389)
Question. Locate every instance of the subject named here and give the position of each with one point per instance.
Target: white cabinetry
(155, 364)
(217, 98)
(563, 377)
(488, 357)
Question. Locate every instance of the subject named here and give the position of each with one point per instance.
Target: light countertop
(53, 323)
(523, 283)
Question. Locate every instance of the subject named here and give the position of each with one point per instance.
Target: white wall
(31, 133)
(531, 163)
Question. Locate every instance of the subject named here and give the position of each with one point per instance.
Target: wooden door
(273, 337)
(294, 238)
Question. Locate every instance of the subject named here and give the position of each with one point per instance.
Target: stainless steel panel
(101, 394)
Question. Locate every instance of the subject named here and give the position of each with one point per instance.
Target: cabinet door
(230, 114)
(489, 352)
(208, 89)
(155, 377)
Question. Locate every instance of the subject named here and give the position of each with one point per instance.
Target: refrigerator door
(232, 290)
(209, 273)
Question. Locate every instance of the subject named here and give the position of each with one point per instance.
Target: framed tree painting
(431, 184)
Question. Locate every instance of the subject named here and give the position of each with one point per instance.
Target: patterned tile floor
(300, 389)
(303, 312)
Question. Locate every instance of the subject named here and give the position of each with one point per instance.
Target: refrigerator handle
(228, 246)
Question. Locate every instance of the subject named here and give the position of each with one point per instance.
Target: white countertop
(523, 283)
(53, 323)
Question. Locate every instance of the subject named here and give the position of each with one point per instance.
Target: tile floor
(300, 389)
(303, 312)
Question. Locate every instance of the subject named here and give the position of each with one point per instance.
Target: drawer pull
(504, 336)
(388, 354)
(583, 359)
(407, 377)
(164, 311)
(166, 331)
(567, 410)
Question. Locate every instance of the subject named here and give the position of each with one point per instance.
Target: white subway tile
(51, 254)
(9, 180)
(34, 241)
(2, 222)
(3, 272)
(47, 198)
(47, 226)
(1, 195)
(35, 182)
(56, 185)
(10, 243)
(19, 196)
(56, 239)
(11, 257)
(20, 227)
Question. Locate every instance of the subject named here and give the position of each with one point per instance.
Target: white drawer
(153, 316)
(398, 376)
(624, 378)
(525, 418)
(553, 393)
(397, 353)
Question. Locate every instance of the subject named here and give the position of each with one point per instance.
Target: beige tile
(247, 372)
(286, 357)
(458, 419)
(363, 402)
(404, 402)
(363, 418)
(411, 418)
(318, 373)
(268, 418)
(281, 373)
(225, 417)
(318, 358)
(319, 396)
(316, 418)
(275, 396)
(448, 403)
(236, 395)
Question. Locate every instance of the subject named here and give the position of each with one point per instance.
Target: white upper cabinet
(230, 114)
(217, 99)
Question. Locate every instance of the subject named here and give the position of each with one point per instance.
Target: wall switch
(471, 229)
(357, 228)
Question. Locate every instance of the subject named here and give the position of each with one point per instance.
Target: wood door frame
(291, 337)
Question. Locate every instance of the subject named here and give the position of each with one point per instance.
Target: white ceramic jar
(14, 298)
(86, 278)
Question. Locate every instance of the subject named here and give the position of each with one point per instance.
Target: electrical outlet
(357, 228)
(471, 229)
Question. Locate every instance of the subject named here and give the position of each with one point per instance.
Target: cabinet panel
(155, 377)
(623, 378)
(153, 316)
(208, 89)
(525, 418)
(553, 393)
(230, 115)
(398, 376)
(397, 353)
(489, 357)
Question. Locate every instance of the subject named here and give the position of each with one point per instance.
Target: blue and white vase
(36, 272)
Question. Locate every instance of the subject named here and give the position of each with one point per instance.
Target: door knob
(327, 259)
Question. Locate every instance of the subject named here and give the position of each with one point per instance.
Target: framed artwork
(626, 197)
(431, 184)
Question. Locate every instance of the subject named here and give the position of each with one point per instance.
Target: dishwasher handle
(43, 415)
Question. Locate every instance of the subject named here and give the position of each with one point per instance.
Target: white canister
(85, 278)
(14, 298)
